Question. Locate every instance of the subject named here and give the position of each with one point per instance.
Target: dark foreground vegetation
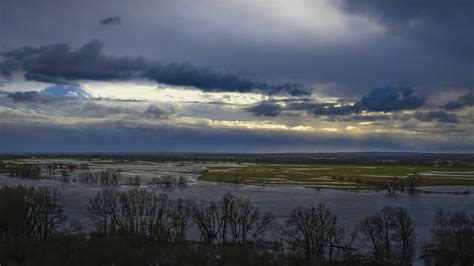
(142, 227)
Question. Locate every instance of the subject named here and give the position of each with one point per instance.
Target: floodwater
(350, 207)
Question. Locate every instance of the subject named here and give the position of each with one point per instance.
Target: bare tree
(208, 219)
(134, 181)
(315, 233)
(452, 239)
(412, 181)
(181, 217)
(103, 210)
(31, 212)
(390, 234)
(246, 220)
(230, 219)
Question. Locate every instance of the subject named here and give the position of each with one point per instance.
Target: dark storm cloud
(461, 102)
(391, 99)
(61, 64)
(386, 99)
(265, 109)
(440, 116)
(264, 45)
(447, 25)
(185, 74)
(111, 21)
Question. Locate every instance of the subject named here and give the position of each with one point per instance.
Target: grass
(339, 176)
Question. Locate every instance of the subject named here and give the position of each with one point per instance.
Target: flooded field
(349, 206)
(342, 175)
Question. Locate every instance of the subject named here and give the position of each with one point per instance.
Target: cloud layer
(250, 76)
(378, 100)
(60, 64)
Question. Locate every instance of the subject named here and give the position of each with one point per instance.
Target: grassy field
(341, 176)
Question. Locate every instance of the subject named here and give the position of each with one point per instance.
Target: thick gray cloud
(61, 64)
(207, 79)
(338, 49)
(111, 21)
(387, 99)
(30, 96)
(445, 25)
(265, 109)
(311, 42)
(461, 102)
(440, 116)
(391, 99)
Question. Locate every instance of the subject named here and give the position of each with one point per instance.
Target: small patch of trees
(3, 167)
(412, 181)
(134, 181)
(390, 235)
(84, 166)
(452, 241)
(231, 219)
(29, 212)
(314, 234)
(141, 212)
(168, 181)
(23, 170)
(394, 184)
(105, 177)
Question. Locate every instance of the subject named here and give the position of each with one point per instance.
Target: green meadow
(338, 175)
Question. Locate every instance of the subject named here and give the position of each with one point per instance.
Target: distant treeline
(460, 159)
(142, 227)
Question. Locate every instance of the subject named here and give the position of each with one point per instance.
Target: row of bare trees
(312, 236)
(140, 212)
(148, 213)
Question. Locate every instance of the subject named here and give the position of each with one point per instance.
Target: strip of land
(340, 175)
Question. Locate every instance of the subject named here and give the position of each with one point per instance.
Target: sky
(236, 76)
